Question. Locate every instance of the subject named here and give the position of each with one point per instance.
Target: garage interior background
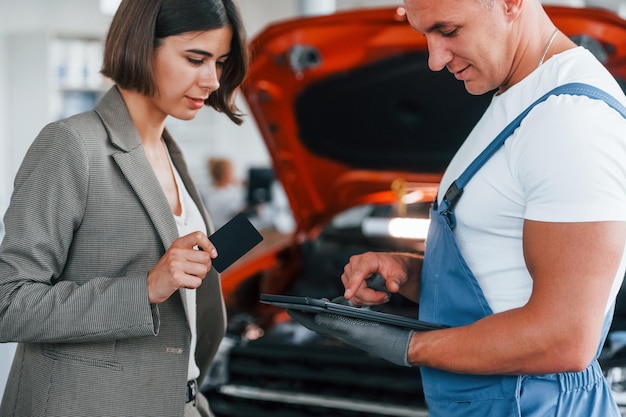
(38, 37)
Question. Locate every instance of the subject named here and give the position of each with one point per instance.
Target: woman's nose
(210, 78)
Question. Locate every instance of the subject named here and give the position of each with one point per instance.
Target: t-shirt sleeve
(571, 161)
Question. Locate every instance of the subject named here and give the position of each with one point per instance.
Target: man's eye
(450, 33)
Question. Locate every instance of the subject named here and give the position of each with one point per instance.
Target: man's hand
(401, 272)
(386, 341)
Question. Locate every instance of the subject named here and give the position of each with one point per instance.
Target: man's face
(465, 36)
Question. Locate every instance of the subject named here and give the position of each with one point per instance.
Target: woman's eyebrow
(200, 52)
(206, 53)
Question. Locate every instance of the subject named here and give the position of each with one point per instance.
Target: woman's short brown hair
(139, 27)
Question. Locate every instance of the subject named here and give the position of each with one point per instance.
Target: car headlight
(400, 227)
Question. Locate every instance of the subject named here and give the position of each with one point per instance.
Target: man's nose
(438, 54)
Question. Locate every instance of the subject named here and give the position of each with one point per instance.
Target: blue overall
(450, 294)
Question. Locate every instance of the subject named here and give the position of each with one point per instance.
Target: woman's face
(187, 69)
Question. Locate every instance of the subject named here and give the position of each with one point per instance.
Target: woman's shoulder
(78, 135)
(85, 126)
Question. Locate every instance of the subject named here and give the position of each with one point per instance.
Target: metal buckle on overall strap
(450, 198)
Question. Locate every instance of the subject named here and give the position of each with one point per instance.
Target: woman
(116, 311)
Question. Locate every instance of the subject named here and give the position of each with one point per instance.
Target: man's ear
(512, 8)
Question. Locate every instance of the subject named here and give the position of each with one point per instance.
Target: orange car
(359, 130)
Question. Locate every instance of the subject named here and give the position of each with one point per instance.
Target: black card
(233, 240)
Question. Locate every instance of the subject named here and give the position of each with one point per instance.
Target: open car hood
(349, 109)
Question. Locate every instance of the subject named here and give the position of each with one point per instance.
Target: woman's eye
(195, 61)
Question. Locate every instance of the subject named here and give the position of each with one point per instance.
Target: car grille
(320, 379)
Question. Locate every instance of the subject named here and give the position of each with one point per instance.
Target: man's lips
(460, 74)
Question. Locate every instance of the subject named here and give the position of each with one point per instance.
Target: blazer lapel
(142, 179)
(134, 165)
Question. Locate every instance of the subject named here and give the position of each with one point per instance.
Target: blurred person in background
(226, 195)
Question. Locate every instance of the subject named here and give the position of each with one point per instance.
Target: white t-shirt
(565, 163)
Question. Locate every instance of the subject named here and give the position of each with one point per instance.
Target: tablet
(317, 305)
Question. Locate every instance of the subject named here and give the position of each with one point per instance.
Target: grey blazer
(86, 222)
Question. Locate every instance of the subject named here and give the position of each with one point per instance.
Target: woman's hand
(184, 265)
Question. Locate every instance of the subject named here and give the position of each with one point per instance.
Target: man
(525, 264)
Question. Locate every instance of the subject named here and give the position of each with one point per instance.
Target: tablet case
(317, 305)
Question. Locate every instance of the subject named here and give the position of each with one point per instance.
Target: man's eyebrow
(437, 26)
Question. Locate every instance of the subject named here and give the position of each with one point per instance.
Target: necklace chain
(545, 51)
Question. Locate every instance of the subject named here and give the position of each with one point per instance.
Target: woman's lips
(195, 103)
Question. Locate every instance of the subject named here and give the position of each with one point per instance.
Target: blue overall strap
(580, 89)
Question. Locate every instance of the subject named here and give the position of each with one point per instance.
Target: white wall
(33, 18)
(4, 172)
